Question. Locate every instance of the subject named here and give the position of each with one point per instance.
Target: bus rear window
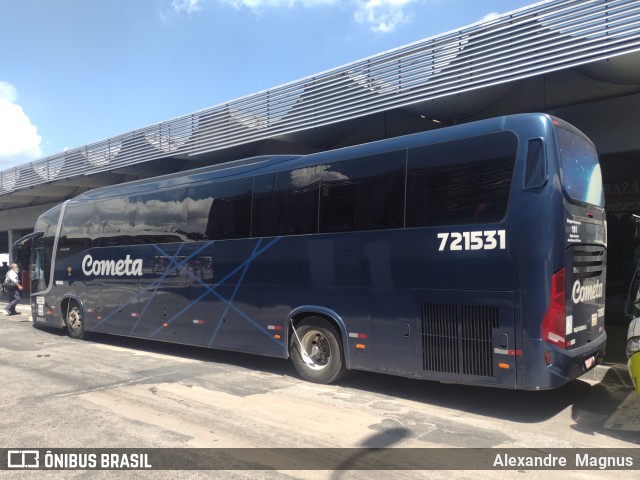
(581, 174)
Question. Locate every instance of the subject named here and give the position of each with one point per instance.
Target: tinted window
(362, 193)
(42, 249)
(285, 203)
(581, 173)
(465, 181)
(161, 217)
(41, 263)
(47, 223)
(74, 233)
(113, 222)
(220, 210)
(535, 173)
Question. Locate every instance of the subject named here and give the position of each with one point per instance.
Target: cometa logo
(118, 268)
(584, 293)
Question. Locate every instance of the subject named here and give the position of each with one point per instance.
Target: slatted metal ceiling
(544, 37)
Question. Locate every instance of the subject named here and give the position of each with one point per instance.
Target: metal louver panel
(440, 338)
(457, 339)
(477, 330)
(545, 37)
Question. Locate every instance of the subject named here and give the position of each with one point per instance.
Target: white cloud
(8, 92)
(19, 139)
(382, 16)
(490, 16)
(257, 5)
(187, 6)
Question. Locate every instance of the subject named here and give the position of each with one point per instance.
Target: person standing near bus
(4, 268)
(13, 288)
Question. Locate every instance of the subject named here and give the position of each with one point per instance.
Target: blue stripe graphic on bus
(154, 286)
(211, 289)
(167, 272)
(235, 291)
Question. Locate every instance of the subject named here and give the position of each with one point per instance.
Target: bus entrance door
(21, 252)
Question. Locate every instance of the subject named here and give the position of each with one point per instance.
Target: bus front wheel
(75, 325)
(316, 351)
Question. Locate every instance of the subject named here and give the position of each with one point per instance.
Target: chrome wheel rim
(317, 347)
(74, 320)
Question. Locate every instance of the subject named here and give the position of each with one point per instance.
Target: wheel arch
(64, 305)
(298, 314)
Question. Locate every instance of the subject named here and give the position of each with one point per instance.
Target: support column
(10, 240)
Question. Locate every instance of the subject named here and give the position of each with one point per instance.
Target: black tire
(325, 360)
(73, 320)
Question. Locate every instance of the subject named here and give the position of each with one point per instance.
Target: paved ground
(118, 392)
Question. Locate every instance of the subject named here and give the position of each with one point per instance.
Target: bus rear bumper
(564, 366)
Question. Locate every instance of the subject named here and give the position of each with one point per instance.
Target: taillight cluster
(554, 322)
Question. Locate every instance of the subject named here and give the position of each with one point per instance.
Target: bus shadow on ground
(248, 361)
(611, 408)
(591, 403)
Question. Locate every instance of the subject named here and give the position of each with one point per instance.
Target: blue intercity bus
(472, 254)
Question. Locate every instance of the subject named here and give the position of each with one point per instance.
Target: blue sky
(73, 72)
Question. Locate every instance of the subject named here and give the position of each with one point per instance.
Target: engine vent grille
(457, 339)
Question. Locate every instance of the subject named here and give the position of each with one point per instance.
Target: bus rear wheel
(316, 351)
(75, 325)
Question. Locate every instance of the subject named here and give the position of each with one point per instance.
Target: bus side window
(285, 203)
(365, 193)
(219, 210)
(112, 223)
(466, 181)
(161, 216)
(74, 234)
(536, 165)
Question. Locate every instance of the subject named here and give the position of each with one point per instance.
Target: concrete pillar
(10, 239)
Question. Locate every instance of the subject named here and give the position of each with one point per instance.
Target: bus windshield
(42, 249)
(580, 168)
